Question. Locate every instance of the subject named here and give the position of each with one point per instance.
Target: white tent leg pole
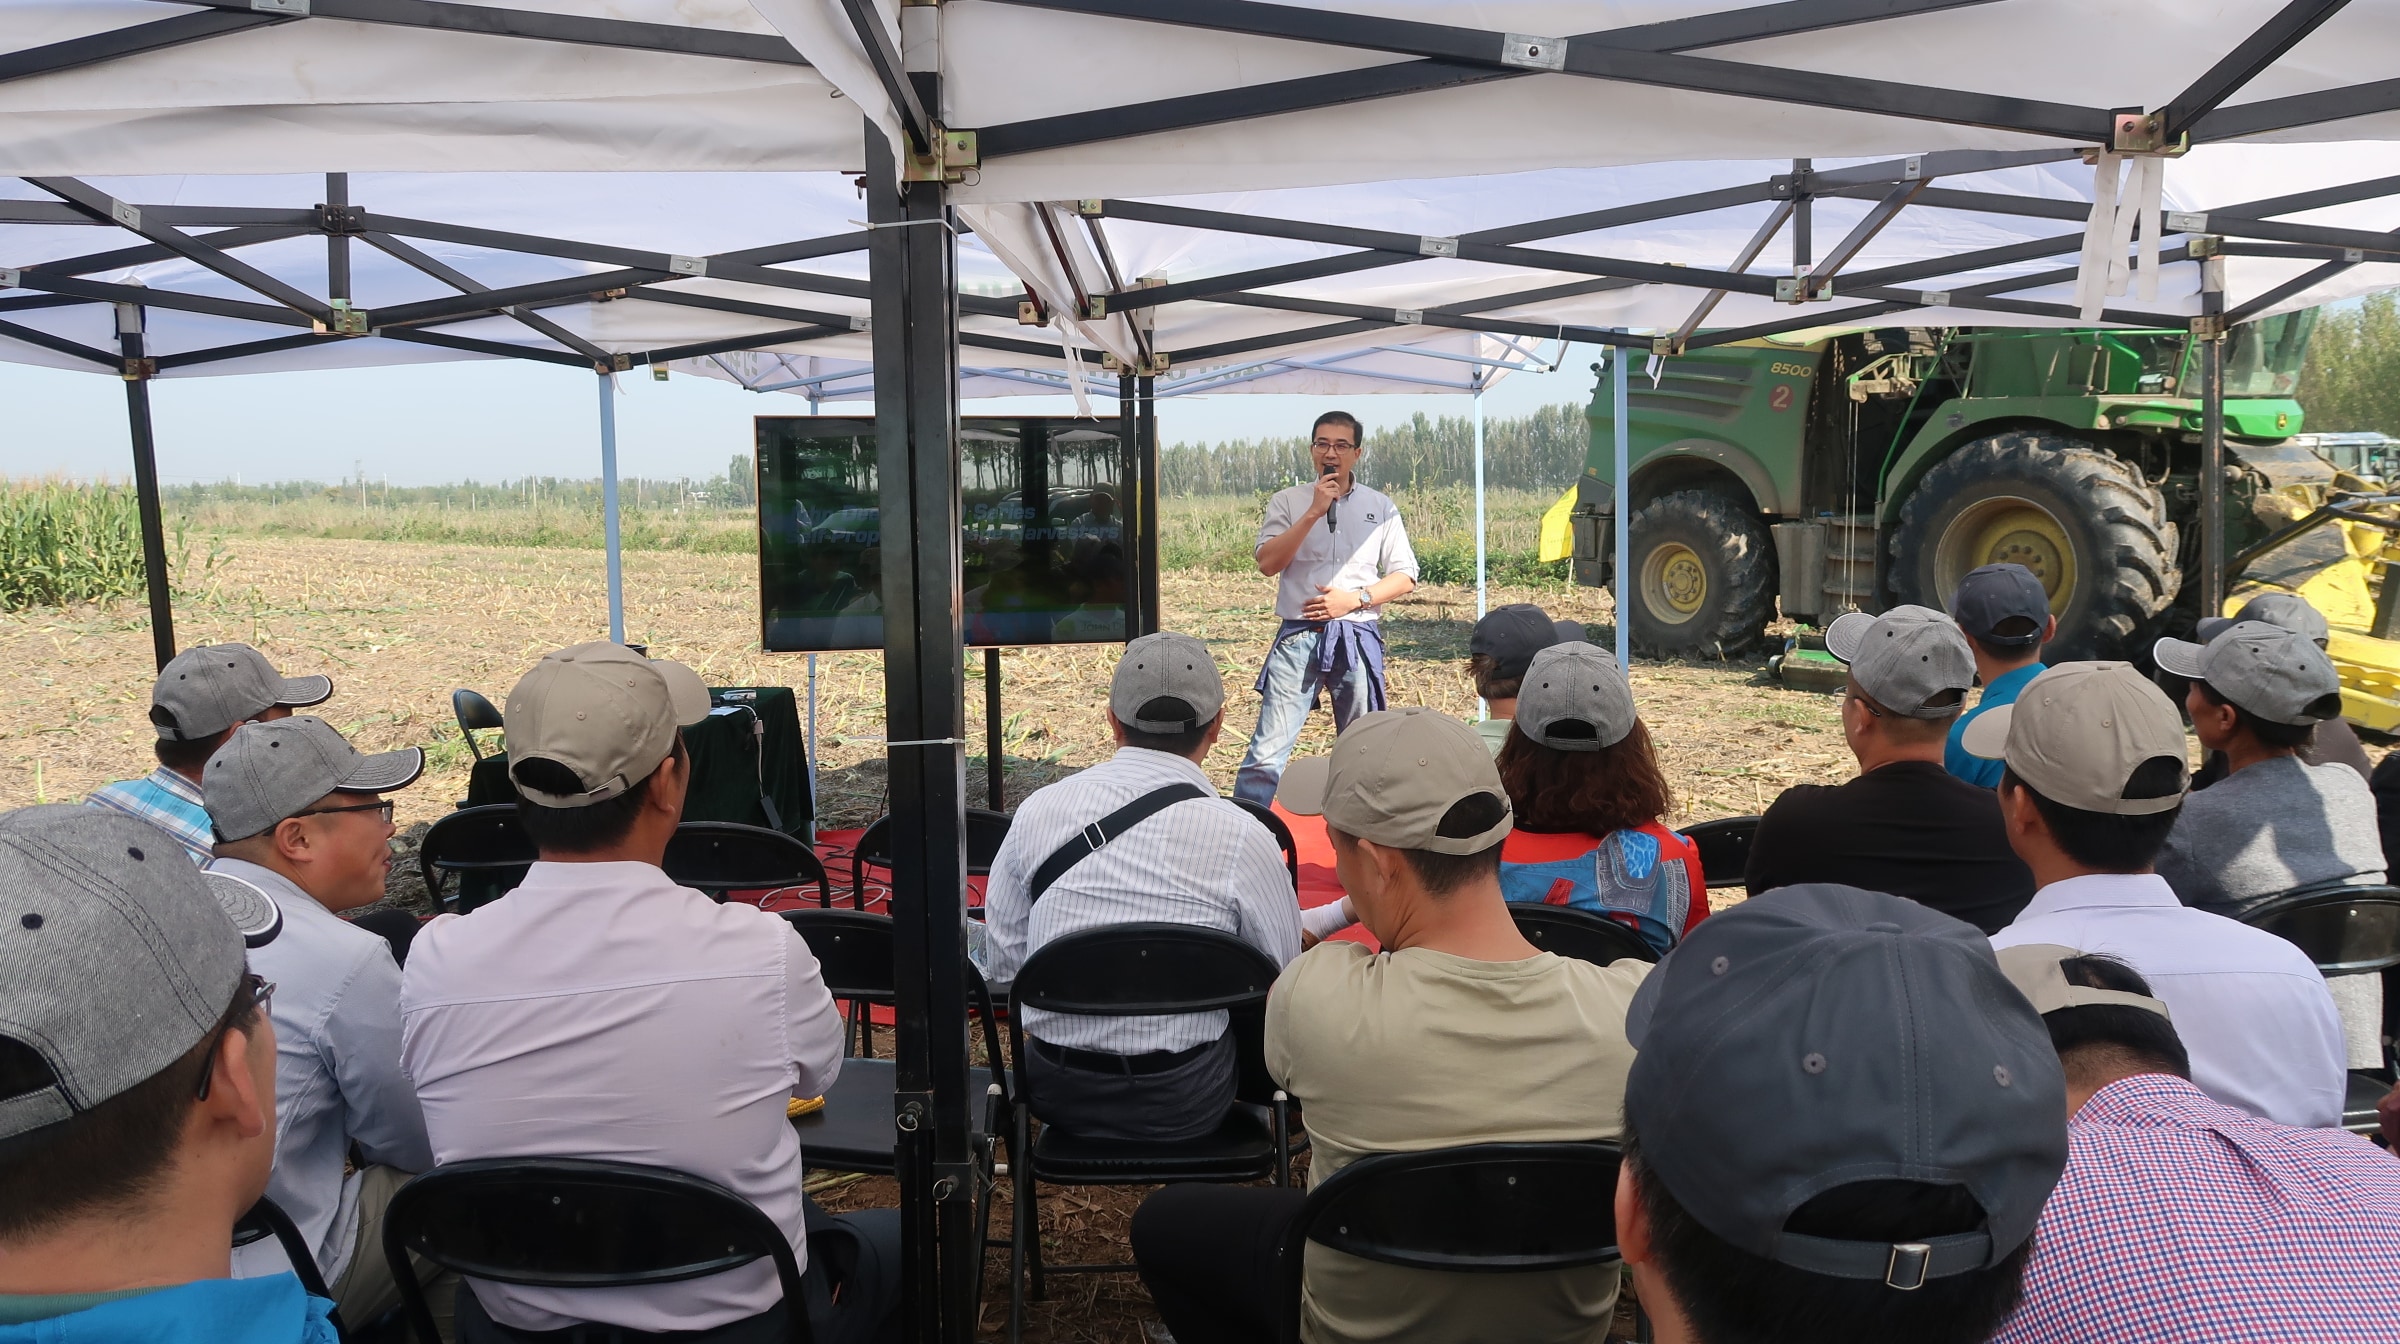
(1621, 363)
(1482, 577)
(611, 538)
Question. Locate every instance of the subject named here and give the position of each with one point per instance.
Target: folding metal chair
(1724, 846)
(486, 846)
(722, 856)
(2345, 930)
(1282, 833)
(1579, 934)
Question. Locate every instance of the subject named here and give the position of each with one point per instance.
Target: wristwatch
(1365, 598)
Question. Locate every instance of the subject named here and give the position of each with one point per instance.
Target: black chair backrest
(2344, 930)
(474, 713)
(571, 1223)
(985, 830)
(1490, 1208)
(1579, 934)
(486, 841)
(1724, 846)
(267, 1219)
(1282, 833)
(1140, 970)
(853, 950)
(722, 856)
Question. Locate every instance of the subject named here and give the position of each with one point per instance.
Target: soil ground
(399, 625)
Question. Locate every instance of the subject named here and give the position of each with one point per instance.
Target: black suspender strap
(1088, 840)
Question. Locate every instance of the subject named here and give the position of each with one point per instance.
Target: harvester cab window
(2262, 358)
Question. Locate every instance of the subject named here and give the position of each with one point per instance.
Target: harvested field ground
(398, 625)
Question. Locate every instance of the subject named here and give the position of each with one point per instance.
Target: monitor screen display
(1047, 560)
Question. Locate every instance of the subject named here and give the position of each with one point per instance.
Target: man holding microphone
(1340, 552)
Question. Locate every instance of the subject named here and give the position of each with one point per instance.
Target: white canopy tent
(1957, 191)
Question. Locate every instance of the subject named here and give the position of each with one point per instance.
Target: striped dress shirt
(1203, 861)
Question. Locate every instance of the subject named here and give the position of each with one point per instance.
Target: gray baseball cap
(1176, 669)
(1393, 777)
(2081, 732)
(2036, 970)
(2289, 610)
(211, 687)
(1575, 698)
(1911, 660)
(2276, 673)
(266, 772)
(604, 711)
(117, 956)
(1881, 1041)
(2002, 603)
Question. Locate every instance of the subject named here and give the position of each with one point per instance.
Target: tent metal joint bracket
(951, 157)
(682, 265)
(2201, 244)
(343, 320)
(1527, 52)
(1409, 317)
(1091, 207)
(1665, 345)
(1437, 247)
(1799, 186)
(140, 370)
(297, 9)
(1934, 298)
(2133, 131)
(9, 276)
(2185, 222)
(2209, 326)
(1799, 289)
(341, 219)
(1095, 308)
(1153, 367)
(1032, 312)
(616, 363)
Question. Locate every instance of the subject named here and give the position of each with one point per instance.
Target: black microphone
(1332, 505)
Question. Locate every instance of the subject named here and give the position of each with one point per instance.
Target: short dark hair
(1733, 1296)
(1186, 743)
(1358, 432)
(578, 830)
(1484, 669)
(1590, 792)
(2129, 1038)
(2105, 841)
(1442, 873)
(113, 1153)
(186, 757)
(2010, 652)
(2281, 736)
(1907, 727)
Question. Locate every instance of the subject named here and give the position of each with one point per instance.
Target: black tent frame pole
(145, 483)
(912, 260)
(995, 767)
(1129, 500)
(2212, 436)
(1145, 397)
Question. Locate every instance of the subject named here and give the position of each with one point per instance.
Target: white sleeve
(1398, 556)
(813, 1025)
(1007, 913)
(1328, 919)
(1262, 893)
(1278, 520)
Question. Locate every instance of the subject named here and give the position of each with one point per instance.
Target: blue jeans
(1292, 683)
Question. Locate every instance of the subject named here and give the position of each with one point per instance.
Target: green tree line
(1542, 451)
(2351, 378)
(737, 488)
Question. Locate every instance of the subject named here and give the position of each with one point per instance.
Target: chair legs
(1024, 1229)
(1283, 1138)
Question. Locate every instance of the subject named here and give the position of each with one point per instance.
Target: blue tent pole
(1621, 433)
(611, 538)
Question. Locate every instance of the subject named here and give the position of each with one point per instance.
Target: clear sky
(489, 420)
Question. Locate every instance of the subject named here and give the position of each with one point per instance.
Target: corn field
(63, 543)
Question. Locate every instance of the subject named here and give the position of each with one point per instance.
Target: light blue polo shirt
(2003, 690)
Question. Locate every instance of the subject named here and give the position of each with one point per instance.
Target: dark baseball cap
(209, 688)
(2002, 604)
(1816, 1036)
(117, 956)
(1511, 635)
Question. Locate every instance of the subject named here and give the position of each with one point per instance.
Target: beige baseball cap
(603, 711)
(1394, 775)
(2078, 732)
(2034, 969)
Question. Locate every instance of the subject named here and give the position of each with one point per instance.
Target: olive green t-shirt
(1405, 1051)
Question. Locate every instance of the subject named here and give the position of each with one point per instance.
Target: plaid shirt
(168, 801)
(2182, 1219)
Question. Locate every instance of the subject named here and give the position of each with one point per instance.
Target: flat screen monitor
(1046, 555)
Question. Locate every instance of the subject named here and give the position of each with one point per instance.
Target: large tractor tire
(1702, 580)
(2088, 526)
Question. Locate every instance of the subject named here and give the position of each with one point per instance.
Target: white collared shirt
(337, 1072)
(2250, 1007)
(601, 1011)
(1203, 861)
(1366, 543)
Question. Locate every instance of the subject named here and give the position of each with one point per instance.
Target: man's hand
(1327, 493)
(1308, 940)
(1331, 604)
(2388, 1112)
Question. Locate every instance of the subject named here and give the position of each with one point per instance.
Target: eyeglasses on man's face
(383, 807)
(262, 993)
(1336, 445)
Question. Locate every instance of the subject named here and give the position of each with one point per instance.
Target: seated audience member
(2181, 1220)
(1457, 1032)
(2095, 776)
(1905, 826)
(137, 1093)
(1840, 1127)
(1588, 796)
(601, 1011)
(1498, 652)
(2258, 693)
(1173, 852)
(2334, 743)
(2005, 615)
(305, 822)
(196, 703)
